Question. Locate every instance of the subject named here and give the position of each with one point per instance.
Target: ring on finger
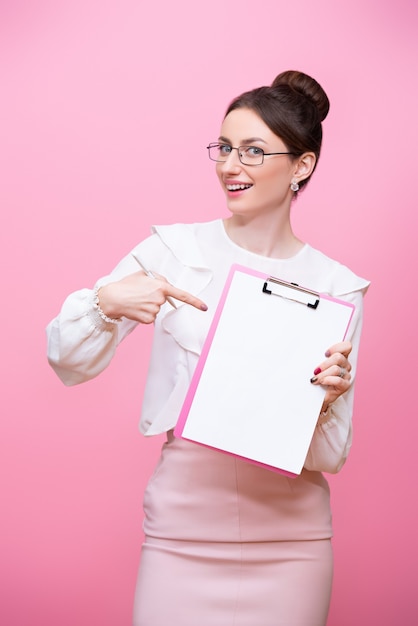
(343, 372)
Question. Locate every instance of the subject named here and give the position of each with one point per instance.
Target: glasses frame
(216, 143)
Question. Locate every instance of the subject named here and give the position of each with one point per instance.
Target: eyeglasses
(248, 155)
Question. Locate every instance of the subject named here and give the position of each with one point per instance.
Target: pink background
(84, 85)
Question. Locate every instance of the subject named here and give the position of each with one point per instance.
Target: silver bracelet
(96, 304)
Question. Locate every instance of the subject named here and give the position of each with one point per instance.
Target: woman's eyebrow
(244, 142)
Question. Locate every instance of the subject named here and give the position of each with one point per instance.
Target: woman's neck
(262, 236)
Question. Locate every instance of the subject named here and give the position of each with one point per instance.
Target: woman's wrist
(97, 305)
(325, 413)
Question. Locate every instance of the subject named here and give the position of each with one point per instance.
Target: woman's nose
(232, 162)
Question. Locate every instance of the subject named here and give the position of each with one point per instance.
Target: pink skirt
(228, 543)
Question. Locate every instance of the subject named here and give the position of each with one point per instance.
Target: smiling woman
(269, 177)
(260, 178)
(239, 544)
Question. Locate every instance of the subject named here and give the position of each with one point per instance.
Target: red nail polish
(317, 371)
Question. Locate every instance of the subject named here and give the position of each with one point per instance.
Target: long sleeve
(332, 438)
(80, 344)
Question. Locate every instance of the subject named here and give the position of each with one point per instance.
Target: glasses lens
(218, 151)
(251, 155)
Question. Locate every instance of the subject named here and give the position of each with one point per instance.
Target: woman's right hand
(140, 297)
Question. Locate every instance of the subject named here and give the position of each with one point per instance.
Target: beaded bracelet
(96, 304)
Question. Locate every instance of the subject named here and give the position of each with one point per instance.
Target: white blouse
(197, 258)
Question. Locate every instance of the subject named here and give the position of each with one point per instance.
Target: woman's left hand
(334, 372)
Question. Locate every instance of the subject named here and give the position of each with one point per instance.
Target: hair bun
(306, 85)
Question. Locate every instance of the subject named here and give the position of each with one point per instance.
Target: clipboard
(250, 395)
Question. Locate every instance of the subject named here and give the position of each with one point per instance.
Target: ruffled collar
(187, 325)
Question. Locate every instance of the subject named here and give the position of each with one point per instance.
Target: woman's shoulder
(181, 229)
(185, 239)
(332, 276)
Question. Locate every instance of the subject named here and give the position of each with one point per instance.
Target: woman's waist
(204, 494)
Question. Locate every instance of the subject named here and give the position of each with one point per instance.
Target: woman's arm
(83, 338)
(80, 343)
(332, 438)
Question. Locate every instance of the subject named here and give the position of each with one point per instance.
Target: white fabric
(197, 258)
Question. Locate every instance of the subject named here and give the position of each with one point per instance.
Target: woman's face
(267, 186)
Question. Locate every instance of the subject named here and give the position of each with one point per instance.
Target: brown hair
(293, 107)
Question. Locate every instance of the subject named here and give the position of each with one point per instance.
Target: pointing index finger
(173, 292)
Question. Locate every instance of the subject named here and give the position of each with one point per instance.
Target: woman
(227, 542)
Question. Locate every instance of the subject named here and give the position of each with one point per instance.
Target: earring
(294, 186)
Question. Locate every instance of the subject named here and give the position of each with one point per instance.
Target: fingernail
(317, 371)
(314, 379)
(203, 307)
(327, 353)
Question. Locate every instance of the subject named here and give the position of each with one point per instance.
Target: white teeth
(236, 187)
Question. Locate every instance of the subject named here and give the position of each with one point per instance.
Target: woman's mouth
(238, 187)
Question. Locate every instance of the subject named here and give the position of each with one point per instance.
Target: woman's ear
(304, 166)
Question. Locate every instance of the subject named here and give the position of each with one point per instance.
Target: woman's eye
(252, 151)
(224, 149)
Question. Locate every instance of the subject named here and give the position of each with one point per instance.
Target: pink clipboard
(250, 395)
